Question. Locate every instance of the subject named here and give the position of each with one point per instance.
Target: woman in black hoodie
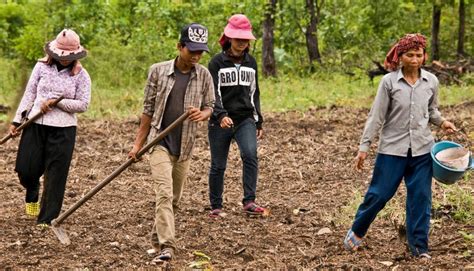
(236, 114)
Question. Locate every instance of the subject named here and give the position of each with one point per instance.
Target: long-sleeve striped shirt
(199, 94)
(403, 112)
(47, 83)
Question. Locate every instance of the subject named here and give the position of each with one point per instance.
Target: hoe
(56, 223)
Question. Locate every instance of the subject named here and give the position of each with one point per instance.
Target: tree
(462, 24)
(268, 56)
(435, 24)
(312, 30)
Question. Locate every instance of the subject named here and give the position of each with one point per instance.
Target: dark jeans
(245, 134)
(388, 173)
(45, 150)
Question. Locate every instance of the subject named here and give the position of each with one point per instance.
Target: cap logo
(197, 35)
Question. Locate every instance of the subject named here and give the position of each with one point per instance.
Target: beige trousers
(169, 177)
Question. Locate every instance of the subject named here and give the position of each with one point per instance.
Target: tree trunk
(435, 32)
(462, 25)
(312, 31)
(268, 61)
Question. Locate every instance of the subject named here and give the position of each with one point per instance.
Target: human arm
(29, 95)
(219, 111)
(147, 114)
(359, 160)
(376, 117)
(142, 133)
(82, 95)
(435, 115)
(374, 122)
(256, 99)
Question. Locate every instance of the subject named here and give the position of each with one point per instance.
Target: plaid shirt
(199, 94)
(403, 112)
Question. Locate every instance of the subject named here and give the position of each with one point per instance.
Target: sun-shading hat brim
(59, 54)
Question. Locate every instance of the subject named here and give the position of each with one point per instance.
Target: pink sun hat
(66, 46)
(239, 27)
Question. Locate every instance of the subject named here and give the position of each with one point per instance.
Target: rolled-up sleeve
(376, 116)
(150, 92)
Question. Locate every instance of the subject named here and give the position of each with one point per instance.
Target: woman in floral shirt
(46, 146)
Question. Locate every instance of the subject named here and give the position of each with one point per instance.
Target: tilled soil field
(306, 180)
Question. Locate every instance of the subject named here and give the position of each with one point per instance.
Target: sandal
(215, 213)
(351, 241)
(32, 209)
(166, 255)
(252, 208)
(425, 256)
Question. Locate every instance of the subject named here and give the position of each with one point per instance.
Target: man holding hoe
(173, 87)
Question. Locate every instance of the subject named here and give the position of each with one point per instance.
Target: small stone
(115, 244)
(324, 231)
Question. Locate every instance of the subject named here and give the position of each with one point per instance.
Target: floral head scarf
(404, 44)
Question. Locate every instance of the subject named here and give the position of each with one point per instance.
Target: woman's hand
(448, 127)
(12, 130)
(259, 133)
(46, 106)
(359, 160)
(227, 122)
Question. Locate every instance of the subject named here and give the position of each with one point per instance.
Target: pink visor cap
(66, 46)
(239, 27)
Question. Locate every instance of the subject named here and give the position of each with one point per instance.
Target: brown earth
(306, 180)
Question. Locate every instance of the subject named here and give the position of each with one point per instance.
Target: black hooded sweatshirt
(236, 89)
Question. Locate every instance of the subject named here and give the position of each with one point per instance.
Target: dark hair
(227, 44)
(50, 61)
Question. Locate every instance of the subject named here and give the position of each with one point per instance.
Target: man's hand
(46, 106)
(448, 127)
(226, 123)
(133, 153)
(259, 133)
(199, 115)
(12, 130)
(359, 160)
(142, 133)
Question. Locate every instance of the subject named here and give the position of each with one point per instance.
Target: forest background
(322, 52)
(125, 37)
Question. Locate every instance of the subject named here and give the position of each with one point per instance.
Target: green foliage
(460, 200)
(125, 37)
(326, 89)
(350, 33)
(8, 80)
(345, 214)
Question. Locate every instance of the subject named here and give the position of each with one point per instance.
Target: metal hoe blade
(60, 233)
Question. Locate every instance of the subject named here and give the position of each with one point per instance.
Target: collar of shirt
(171, 69)
(423, 75)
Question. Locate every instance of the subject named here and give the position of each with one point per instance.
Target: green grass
(302, 93)
(117, 93)
(277, 95)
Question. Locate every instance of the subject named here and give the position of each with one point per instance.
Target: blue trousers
(245, 134)
(388, 172)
